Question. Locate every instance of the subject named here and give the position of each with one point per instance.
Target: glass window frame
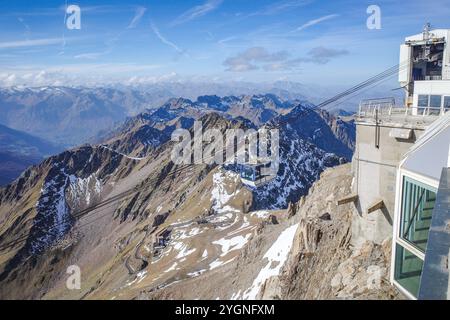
(413, 194)
(400, 260)
(444, 100)
(400, 244)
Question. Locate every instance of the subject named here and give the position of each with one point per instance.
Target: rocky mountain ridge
(73, 115)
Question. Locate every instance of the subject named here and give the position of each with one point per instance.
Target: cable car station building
(401, 169)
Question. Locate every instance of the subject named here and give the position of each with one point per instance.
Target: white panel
(405, 64)
(448, 165)
(400, 133)
(446, 64)
(430, 157)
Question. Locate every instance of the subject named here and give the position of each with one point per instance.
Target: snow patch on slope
(53, 218)
(276, 256)
(219, 193)
(80, 188)
(232, 244)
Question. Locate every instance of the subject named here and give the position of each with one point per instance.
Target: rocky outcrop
(322, 263)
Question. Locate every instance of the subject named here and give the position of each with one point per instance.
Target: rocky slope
(300, 253)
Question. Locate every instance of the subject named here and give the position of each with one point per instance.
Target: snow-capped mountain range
(71, 116)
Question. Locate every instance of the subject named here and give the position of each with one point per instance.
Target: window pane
(247, 173)
(408, 270)
(435, 101)
(417, 206)
(423, 100)
(446, 102)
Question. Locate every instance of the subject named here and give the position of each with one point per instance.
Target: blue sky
(309, 41)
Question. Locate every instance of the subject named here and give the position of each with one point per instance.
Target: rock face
(301, 163)
(322, 264)
(308, 146)
(319, 128)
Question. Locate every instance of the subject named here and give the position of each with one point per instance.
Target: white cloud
(197, 11)
(75, 74)
(172, 76)
(316, 21)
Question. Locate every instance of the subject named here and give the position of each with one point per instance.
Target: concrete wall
(374, 171)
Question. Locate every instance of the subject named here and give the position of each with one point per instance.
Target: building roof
(436, 33)
(430, 153)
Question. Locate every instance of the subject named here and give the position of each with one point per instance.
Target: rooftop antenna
(426, 31)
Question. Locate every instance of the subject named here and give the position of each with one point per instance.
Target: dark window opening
(428, 61)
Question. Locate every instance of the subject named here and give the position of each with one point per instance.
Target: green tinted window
(408, 270)
(418, 202)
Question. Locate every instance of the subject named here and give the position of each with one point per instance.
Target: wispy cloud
(90, 55)
(281, 6)
(30, 43)
(111, 43)
(56, 11)
(26, 26)
(225, 40)
(316, 21)
(197, 11)
(140, 11)
(165, 40)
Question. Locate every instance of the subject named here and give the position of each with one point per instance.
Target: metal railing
(382, 107)
(426, 78)
(370, 107)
